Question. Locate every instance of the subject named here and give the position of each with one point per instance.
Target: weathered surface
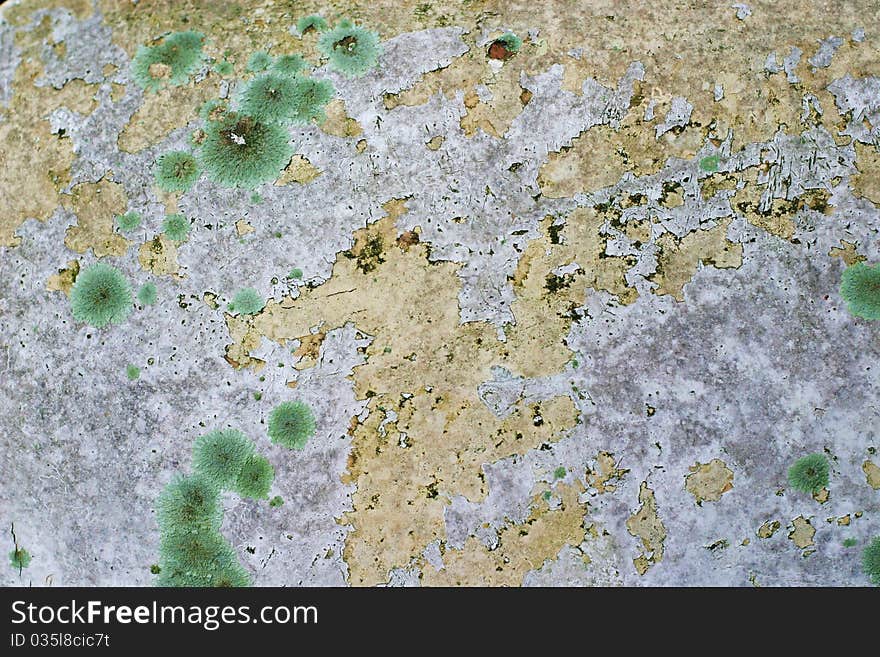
(564, 318)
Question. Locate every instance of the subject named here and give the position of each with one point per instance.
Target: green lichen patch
(259, 61)
(133, 372)
(247, 301)
(101, 295)
(176, 227)
(255, 478)
(241, 151)
(220, 455)
(19, 558)
(311, 23)
(809, 474)
(176, 171)
(860, 289)
(147, 294)
(291, 424)
(128, 222)
(349, 49)
(171, 62)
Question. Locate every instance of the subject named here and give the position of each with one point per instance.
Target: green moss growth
(240, 151)
(871, 561)
(101, 295)
(860, 289)
(809, 474)
(276, 501)
(19, 558)
(313, 22)
(268, 97)
(219, 457)
(291, 424)
(223, 68)
(289, 65)
(176, 227)
(559, 472)
(350, 49)
(309, 98)
(188, 504)
(132, 372)
(259, 61)
(147, 294)
(128, 222)
(247, 301)
(176, 171)
(255, 478)
(195, 559)
(171, 62)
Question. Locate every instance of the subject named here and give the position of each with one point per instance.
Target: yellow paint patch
(679, 258)
(846, 252)
(65, 278)
(298, 170)
(768, 529)
(338, 123)
(802, 532)
(645, 524)
(521, 548)
(95, 205)
(606, 471)
(159, 256)
(709, 481)
(163, 111)
(872, 474)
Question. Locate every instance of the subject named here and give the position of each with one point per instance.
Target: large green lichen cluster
(170, 62)
(101, 295)
(192, 551)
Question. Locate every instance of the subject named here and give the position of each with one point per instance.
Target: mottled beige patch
(308, 351)
(34, 163)
(866, 183)
(679, 259)
(338, 123)
(163, 111)
(520, 548)
(434, 143)
(843, 521)
(846, 252)
(242, 228)
(20, 13)
(822, 496)
(645, 524)
(709, 481)
(63, 281)
(769, 528)
(95, 205)
(872, 474)
(159, 256)
(244, 339)
(802, 532)
(589, 164)
(605, 471)
(298, 170)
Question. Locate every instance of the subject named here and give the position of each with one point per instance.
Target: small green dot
(850, 542)
(709, 164)
(276, 501)
(132, 372)
(547, 495)
(560, 472)
(258, 396)
(295, 273)
(154, 569)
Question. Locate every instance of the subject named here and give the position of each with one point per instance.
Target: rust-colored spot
(497, 50)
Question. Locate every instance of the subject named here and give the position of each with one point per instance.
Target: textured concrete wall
(564, 319)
